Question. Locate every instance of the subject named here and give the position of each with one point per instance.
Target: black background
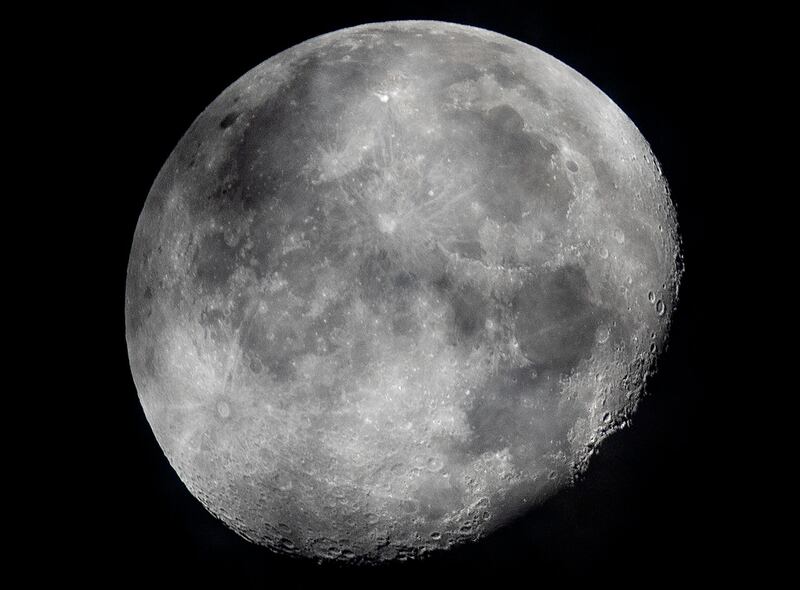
(653, 506)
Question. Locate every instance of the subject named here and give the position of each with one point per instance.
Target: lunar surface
(394, 286)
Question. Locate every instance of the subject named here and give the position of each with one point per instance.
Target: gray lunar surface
(394, 285)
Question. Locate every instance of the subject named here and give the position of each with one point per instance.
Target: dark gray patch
(505, 120)
(275, 346)
(210, 317)
(297, 267)
(404, 323)
(150, 360)
(607, 181)
(405, 280)
(285, 131)
(214, 261)
(228, 120)
(498, 418)
(469, 312)
(459, 72)
(495, 419)
(361, 355)
(374, 276)
(466, 248)
(514, 168)
(388, 289)
(433, 502)
(137, 310)
(502, 48)
(555, 320)
(442, 283)
(219, 194)
(264, 256)
(319, 336)
(504, 76)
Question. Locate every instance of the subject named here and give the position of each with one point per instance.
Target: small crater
(660, 308)
(223, 409)
(282, 481)
(435, 464)
(256, 366)
(572, 166)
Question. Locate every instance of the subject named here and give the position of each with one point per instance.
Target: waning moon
(394, 286)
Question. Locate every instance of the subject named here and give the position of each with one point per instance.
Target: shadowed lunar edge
(393, 286)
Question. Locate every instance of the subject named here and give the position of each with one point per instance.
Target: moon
(394, 286)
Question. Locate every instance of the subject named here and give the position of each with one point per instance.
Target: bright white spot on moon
(387, 223)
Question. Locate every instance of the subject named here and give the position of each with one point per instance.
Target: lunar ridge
(395, 285)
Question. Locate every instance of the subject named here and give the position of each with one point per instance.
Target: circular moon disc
(394, 285)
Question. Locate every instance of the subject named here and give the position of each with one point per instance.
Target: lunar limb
(394, 286)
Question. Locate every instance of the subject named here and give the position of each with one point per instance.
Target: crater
(223, 410)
